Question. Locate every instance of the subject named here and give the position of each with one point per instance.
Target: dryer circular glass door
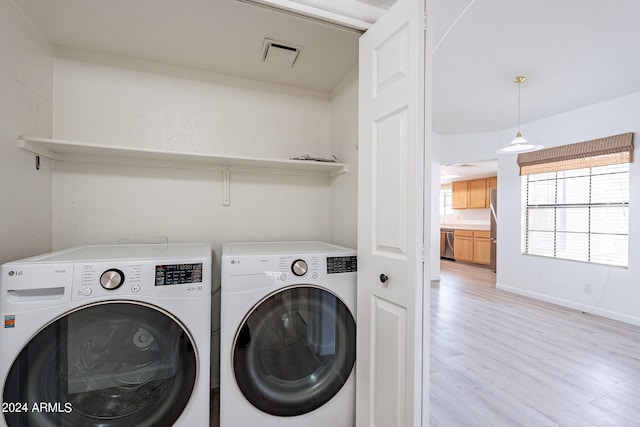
(115, 363)
(294, 351)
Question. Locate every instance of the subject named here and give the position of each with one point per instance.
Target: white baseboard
(621, 317)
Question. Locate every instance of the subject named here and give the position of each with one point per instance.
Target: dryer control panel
(315, 267)
(246, 266)
(342, 264)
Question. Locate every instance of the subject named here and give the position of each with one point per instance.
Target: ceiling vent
(279, 53)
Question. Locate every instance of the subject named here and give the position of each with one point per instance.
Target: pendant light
(519, 143)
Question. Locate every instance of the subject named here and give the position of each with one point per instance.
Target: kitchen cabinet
(482, 247)
(463, 245)
(472, 246)
(477, 194)
(472, 194)
(459, 195)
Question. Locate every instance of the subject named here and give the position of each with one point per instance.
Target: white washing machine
(107, 336)
(288, 335)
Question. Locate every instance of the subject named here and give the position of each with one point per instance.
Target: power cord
(604, 289)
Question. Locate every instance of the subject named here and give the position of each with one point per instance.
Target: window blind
(611, 150)
(577, 208)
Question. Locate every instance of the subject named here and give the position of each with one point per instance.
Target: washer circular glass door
(294, 351)
(114, 363)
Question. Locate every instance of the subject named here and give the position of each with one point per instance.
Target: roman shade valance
(597, 152)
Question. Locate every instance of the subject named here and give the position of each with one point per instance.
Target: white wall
(434, 207)
(614, 291)
(110, 100)
(344, 141)
(25, 109)
(467, 216)
(132, 103)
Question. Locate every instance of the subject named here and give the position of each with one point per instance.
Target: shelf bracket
(226, 185)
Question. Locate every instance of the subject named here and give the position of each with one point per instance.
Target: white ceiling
(465, 171)
(574, 52)
(225, 36)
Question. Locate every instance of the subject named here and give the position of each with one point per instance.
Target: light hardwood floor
(499, 359)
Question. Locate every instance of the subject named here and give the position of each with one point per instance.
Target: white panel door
(390, 219)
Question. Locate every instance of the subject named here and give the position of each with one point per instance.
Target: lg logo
(15, 273)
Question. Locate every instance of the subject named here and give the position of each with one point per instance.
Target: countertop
(461, 226)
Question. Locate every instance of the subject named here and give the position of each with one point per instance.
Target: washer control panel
(178, 274)
(291, 267)
(107, 278)
(112, 279)
(144, 278)
(299, 267)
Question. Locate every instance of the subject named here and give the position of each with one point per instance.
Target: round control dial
(299, 267)
(112, 279)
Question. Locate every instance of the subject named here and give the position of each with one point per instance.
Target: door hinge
(425, 22)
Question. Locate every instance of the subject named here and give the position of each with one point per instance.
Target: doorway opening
(468, 213)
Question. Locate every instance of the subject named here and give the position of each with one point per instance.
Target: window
(445, 202)
(575, 201)
(580, 214)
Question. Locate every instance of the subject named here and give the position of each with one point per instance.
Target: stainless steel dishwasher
(446, 243)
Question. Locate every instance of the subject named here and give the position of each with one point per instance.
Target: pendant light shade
(519, 143)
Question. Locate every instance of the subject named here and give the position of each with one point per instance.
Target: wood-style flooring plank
(500, 359)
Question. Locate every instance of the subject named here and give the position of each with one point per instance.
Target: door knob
(384, 279)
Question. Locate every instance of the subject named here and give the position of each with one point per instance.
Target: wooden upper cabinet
(459, 195)
(477, 194)
(472, 194)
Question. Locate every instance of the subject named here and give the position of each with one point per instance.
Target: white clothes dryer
(107, 336)
(288, 335)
